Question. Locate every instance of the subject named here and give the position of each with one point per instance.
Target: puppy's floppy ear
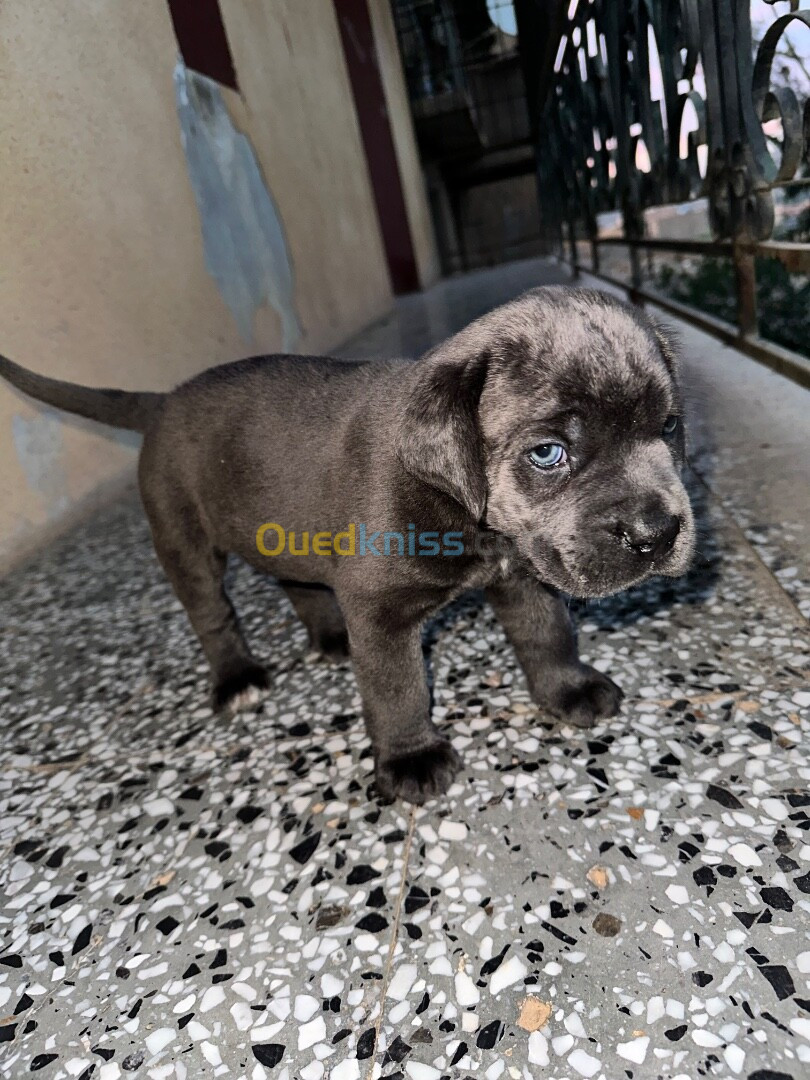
(670, 345)
(439, 440)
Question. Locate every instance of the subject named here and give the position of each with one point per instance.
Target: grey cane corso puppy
(547, 434)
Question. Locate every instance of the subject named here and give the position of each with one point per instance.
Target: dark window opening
(203, 42)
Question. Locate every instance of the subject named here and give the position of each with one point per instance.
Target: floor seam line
(406, 855)
(729, 517)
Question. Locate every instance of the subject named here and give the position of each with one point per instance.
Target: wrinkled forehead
(589, 357)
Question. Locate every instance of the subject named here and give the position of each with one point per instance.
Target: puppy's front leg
(537, 623)
(412, 760)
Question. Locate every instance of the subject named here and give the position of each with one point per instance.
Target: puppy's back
(273, 438)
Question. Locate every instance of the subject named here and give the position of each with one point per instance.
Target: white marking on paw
(246, 698)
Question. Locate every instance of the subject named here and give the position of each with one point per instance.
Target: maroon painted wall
(357, 35)
(201, 36)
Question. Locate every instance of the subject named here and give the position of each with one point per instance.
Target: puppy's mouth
(599, 570)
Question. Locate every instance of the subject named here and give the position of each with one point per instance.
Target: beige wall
(102, 276)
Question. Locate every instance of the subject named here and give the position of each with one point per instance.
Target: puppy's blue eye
(671, 425)
(548, 455)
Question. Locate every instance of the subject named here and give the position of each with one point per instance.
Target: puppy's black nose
(652, 535)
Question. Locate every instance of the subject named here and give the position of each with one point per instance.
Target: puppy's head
(557, 421)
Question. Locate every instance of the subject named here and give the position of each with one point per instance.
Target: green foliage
(783, 299)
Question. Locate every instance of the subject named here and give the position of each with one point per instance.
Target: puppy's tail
(118, 408)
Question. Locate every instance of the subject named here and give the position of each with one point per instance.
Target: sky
(502, 14)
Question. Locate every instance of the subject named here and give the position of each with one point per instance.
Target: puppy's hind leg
(537, 624)
(196, 572)
(319, 611)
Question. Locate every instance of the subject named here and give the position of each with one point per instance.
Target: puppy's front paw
(240, 689)
(418, 777)
(591, 698)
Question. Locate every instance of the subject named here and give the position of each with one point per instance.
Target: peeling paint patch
(245, 248)
(132, 440)
(38, 445)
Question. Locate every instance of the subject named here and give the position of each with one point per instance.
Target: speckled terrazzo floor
(188, 898)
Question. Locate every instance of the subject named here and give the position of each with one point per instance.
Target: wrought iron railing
(660, 102)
